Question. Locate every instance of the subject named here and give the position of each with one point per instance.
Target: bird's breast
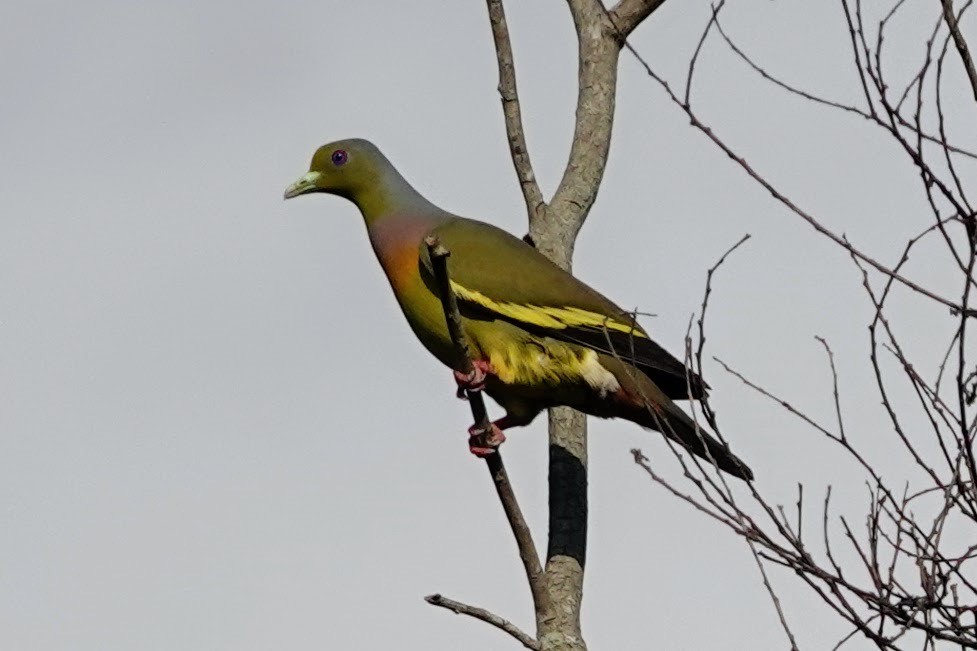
(396, 242)
(398, 250)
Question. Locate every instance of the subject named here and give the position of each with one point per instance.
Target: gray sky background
(217, 431)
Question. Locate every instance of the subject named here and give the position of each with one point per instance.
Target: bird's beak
(304, 185)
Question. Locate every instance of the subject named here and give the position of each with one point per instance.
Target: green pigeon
(539, 337)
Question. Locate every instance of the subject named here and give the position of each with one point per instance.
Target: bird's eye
(339, 157)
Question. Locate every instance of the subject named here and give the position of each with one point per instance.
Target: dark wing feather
(664, 369)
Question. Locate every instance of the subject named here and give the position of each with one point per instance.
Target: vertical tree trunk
(553, 228)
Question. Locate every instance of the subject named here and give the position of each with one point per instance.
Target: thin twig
(773, 596)
(783, 199)
(480, 613)
(698, 48)
(869, 115)
(968, 62)
(834, 384)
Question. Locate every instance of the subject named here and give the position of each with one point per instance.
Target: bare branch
(968, 62)
(869, 115)
(480, 613)
(598, 51)
(773, 595)
(628, 14)
(853, 33)
(837, 239)
(510, 109)
(698, 48)
(834, 384)
(641, 460)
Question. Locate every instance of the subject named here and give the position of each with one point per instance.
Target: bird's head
(347, 168)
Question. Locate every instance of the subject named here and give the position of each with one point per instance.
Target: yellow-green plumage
(545, 337)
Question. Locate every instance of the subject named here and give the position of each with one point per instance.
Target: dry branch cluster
(913, 584)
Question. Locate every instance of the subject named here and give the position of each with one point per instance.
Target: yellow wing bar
(555, 318)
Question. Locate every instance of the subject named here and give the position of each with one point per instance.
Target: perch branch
(500, 478)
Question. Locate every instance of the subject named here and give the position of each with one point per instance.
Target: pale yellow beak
(304, 185)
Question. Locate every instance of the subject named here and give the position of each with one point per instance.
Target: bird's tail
(645, 404)
(674, 423)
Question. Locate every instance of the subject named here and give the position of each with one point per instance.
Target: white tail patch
(597, 376)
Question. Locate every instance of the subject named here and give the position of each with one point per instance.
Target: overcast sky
(216, 429)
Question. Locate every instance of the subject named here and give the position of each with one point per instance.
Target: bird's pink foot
(474, 381)
(483, 442)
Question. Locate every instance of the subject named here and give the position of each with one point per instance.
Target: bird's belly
(530, 364)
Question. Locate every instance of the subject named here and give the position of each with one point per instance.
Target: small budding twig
(500, 478)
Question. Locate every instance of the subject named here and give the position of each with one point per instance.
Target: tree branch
(500, 478)
(480, 613)
(961, 43)
(510, 109)
(868, 114)
(598, 50)
(783, 199)
(628, 14)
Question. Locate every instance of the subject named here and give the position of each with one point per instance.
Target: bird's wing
(494, 273)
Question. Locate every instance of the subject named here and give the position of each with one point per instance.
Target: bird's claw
(474, 381)
(483, 442)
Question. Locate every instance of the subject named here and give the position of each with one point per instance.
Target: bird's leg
(474, 381)
(483, 442)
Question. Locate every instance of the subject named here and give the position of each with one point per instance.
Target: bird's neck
(389, 196)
